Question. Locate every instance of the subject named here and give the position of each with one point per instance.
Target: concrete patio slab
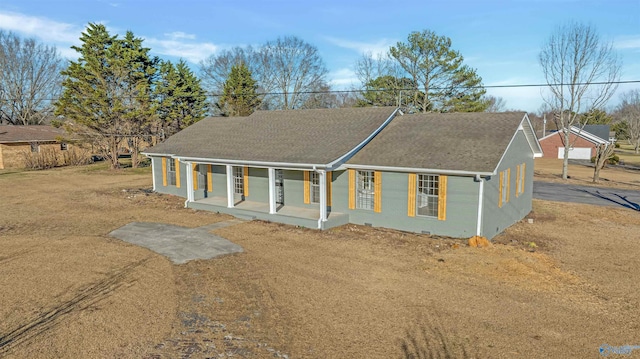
(179, 244)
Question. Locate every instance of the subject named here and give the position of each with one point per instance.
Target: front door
(279, 187)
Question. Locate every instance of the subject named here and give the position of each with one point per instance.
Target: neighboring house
(458, 174)
(583, 144)
(18, 141)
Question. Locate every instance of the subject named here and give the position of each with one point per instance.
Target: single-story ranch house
(583, 144)
(16, 141)
(453, 174)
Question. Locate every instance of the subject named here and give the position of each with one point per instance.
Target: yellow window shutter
(307, 186)
(195, 176)
(329, 187)
(508, 183)
(377, 191)
(517, 180)
(352, 189)
(177, 163)
(245, 181)
(500, 189)
(442, 198)
(164, 171)
(523, 176)
(411, 207)
(209, 179)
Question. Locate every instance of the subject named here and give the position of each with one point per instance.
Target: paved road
(561, 192)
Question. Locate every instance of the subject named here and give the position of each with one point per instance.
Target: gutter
(419, 170)
(259, 164)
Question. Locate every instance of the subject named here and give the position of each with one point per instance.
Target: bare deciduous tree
(293, 68)
(495, 104)
(287, 70)
(629, 112)
(30, 80)
(581, 72)
(603, 153)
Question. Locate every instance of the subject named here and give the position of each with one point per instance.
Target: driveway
(179, 244)
(601, 196)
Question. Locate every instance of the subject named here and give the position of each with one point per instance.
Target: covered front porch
(300, 196)
(292, 215)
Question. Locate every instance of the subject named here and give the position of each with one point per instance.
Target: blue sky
(501, 39)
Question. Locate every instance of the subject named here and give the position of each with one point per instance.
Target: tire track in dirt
(84, 298)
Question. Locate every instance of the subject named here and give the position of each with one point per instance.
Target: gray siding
(169, 189)
(294, 190)
(258, 185)
(496, 219)
(462, 205)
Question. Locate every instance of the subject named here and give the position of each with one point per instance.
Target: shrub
(614, 160)
(616, 145)
(45, 158)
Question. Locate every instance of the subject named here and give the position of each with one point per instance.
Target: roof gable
(40, 133)
(304, 137)
(460, 142)
(580, 133)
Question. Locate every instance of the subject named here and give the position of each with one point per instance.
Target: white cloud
(41, 28)
(343, 78)
(376, 49)
(177, 35)
(173, 46)
(627, 42)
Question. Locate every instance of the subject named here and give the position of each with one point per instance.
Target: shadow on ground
(611, 197)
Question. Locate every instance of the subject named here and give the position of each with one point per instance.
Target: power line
(214, 94)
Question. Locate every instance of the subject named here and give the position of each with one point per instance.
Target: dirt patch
(68, 290)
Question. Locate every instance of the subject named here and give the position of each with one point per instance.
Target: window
(521, 178)
(201, 173)
(171, 171)
(427, 195)
(63, 146)
(365, 190)
(314, 188)
(238, 180)
(35, 147)
(504, 188)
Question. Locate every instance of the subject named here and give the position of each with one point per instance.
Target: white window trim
(365, 197)
(238, 180)
(314, 187)
(171, 172)
(419, 194)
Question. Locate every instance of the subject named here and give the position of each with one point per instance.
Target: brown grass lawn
(68, 290)
(550, 169)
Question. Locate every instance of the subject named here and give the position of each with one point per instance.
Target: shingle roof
(12, 134)
(601, 131)
(473, 142)
(317, 136)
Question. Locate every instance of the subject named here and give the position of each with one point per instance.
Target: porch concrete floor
(283, 210)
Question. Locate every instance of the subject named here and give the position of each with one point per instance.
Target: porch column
(190, 196)
(230, 201)
(153, 173)
(272, 190)
(480, 205)
(323, 195)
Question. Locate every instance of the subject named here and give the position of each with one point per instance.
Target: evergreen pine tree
(239, 97)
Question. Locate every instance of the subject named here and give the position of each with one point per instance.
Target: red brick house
(583, 144)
